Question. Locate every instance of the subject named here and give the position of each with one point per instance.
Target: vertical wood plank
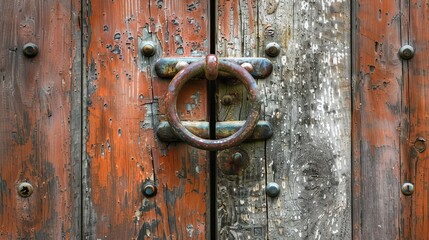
(40, 120)
(308, 102)
(377, 106)
(125, 103)
(415, 211)
(241, 206)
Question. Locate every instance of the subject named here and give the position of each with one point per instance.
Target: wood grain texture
(377, 120)
(241, 209)
(124, 104)
(415, 127)
(40, 120)
(307, 100)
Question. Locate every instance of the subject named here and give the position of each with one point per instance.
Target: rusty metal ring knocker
(210, 68)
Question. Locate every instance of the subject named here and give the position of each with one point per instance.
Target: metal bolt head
(407, 189)
(30, 50)
(25, 189)
(226, 100)
(149, 189)
(181, 65)
(272, 189)
(148, 49)
(247, 66)
(406, 52)
(272, 49)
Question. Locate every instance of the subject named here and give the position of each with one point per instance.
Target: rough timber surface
(307, 101)
(40, 119)
(124, 101)
(377, 120)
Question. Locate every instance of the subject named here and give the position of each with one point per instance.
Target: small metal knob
(272, 189)
(406, 52)
(149, 189)
(148, 49)
(226, 100)
(247, 66)
(407, 189)
(30, 50)
(272, 49)
(25, 189)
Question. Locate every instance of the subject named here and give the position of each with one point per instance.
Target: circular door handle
(210, 67)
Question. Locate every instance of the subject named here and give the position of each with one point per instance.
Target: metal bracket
(262, 130)
(257, 67)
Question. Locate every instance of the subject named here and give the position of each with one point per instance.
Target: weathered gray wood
(307, 100)
(242, 212)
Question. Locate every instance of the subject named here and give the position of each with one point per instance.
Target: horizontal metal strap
(262, 130)
(168, 67)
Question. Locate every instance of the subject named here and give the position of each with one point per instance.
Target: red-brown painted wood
(40, 120)
(125, 101)
(378, 98)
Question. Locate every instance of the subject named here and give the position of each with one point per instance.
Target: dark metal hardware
(211, 66)
(272, 49)
(262, 130)
(272, 189)
(227, 100)
(25, 189)
(148, 49)
(30, 50)
(406, 52)
(169, 67)
(149, 189)
(232, 161)
(407, 189)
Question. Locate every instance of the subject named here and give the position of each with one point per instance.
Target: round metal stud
(272, 189)
(149, 189)
(181, 65)
(272, 49)
(226, 100)
(407, 189)
(25, 189)
(406, 52)
(247, 66)
(30, 50)
(148, 49)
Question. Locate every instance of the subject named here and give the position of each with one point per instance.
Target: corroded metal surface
(223, 129)
(194, 70)
(262, 67)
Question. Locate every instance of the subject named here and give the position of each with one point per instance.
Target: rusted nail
(406, 52)
(30, 50)
(420, 144)
(148, 49)
(247, 66)
(407, 189)
(149, 189)
(25, 189)
(226, 100)
(272, 49)
(181, 65)
(272, 189)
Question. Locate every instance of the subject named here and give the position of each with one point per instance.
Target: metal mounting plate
(166, 67)
(223, 129)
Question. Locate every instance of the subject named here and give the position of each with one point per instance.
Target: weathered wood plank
(415, 132)
(40, 120)
(377, 105)
(241, 198)
(307, 100)
(124, 104)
